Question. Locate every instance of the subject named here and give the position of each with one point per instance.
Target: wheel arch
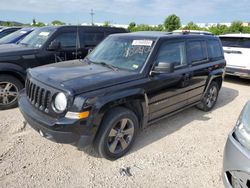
(137, 103)
(13, 70)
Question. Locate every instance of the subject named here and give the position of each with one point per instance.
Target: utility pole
(92, 16)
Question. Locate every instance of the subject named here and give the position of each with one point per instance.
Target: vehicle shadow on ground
(237, 80)
(172, 124)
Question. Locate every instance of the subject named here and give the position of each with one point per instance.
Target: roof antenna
(92, 16)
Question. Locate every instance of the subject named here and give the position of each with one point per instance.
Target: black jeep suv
(43, 46)
(129, 81)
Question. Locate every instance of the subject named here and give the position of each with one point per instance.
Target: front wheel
(117, 133)
(9, 88)
(210, 98)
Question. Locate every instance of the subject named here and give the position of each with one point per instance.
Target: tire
(117, 133)
(210, 98)
(9, 88)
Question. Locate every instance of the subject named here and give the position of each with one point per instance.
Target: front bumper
(63, 130)
(236, 164)
(243, 73)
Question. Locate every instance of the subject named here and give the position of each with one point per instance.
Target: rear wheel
(117, 133)
(210, 98)
(9, 88)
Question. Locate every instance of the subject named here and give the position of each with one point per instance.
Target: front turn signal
(77, 115)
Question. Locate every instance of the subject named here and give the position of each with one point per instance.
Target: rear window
(197, 51)
(214, 49)
(239, 42)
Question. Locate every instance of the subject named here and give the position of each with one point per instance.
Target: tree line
(171, 23)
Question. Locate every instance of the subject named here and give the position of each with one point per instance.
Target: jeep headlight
(60, 102)
(242, 129)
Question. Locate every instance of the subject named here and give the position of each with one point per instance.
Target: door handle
(187, 76)
(185, 81)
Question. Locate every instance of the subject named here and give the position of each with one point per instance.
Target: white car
(237, 54)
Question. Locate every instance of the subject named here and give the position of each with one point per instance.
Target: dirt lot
(185, 150)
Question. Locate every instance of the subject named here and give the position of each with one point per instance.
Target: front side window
(67, 40)
(197, 51)
(38, 37)
(129, 53)
(172, 53)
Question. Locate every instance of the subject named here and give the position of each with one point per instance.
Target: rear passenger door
(168, 92)
(200, 66)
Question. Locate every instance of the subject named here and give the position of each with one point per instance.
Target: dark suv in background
(127, 82)
(44, 46)
(7, 30)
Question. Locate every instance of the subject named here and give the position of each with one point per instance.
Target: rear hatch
(236, 51)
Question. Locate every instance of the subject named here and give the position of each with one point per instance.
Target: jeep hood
(79, 77)
(15, 50)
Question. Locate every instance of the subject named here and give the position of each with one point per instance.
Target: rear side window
(197, 51)
(92, 38)
(214, 49)
(172, 53)
(67, 40)
(235, 42)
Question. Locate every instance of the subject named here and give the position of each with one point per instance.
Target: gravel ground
(185, 150)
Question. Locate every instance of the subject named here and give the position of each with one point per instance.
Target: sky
(125, 11)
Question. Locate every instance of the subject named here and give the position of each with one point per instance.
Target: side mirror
(54, 46)
(163, 67)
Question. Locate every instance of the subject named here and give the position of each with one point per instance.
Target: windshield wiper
(23, 44)
(107, 65)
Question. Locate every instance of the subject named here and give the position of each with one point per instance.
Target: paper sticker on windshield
(22, 32)
(135, 66)
(142, 42)
(44, 34)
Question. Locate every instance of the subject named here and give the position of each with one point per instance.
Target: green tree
(107, 24)
(37, 24)
(131, 26)
(218, 29)
(172, 22)
(192, 26)
(246, 30)
(57, 22)
(236, 27)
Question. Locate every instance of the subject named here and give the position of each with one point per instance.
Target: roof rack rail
(197, 32)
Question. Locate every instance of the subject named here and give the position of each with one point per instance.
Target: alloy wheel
(211, 96)
(8, 93)
(120, 136)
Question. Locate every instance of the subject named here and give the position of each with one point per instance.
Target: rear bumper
(61, 131)
(244, 73)
(236, 163)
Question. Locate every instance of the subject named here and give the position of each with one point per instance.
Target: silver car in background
(236, 164)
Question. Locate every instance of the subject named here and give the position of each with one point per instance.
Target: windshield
(122, 52)
(37, 38)
(13, 36)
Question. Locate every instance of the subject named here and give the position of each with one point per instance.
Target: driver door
(168, 91)
(67, 51)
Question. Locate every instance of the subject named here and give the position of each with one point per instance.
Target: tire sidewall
(113, 117)
(206, 108)
(17, 83)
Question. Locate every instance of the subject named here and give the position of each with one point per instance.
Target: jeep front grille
(38, 96)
